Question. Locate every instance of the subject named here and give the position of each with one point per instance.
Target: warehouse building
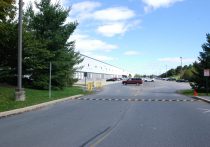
(98, 70)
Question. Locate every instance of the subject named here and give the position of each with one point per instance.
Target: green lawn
(7, 96)
(190, 92)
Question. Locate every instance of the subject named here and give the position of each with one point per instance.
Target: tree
(188, 74)
(46, 40)
(178, 70)
(137, 76)
(204, 63)
(171, 72)
(8, 41)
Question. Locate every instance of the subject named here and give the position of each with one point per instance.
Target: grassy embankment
(7, 96)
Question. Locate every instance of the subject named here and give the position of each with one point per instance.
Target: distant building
(98, 70)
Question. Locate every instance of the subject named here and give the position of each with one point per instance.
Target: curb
(37, 106)
(200, 98)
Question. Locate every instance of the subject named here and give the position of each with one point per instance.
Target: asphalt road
(150, 115)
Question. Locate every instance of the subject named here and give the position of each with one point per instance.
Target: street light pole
(181, 66)
(181, 61)
(20, 94)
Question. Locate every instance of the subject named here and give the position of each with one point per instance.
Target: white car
(149, 80)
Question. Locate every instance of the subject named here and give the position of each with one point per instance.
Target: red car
(133, 81)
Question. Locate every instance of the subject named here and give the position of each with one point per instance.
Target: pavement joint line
(37, 106)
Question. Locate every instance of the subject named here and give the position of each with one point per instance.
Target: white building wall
(98, 70)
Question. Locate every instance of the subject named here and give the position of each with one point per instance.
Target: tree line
(45, 39)
(195, 72)
(185, 72)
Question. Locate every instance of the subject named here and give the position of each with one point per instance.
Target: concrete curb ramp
(201, 98)
(30, 108)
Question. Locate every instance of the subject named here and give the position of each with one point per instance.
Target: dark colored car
(181, 80)
(171, 79)
(133, 81)
(112, 79)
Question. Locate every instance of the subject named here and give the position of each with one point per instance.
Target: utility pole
(20, 93)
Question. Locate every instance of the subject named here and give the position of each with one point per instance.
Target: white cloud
(85, 6)
(85, 43)
(114, 14)
(116, 28)
(115, 21)
(131, 53)
(155, 4)
(177, 60)
(110, 30)
(84, 10)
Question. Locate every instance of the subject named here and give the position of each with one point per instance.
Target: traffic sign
(206, 73)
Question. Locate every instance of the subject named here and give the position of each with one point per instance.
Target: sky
(140, 36)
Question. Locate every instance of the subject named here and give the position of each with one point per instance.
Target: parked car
(171, 79)
(112, 79)
(133, 81)
(181, 80)
(119, 79)
(149, 80)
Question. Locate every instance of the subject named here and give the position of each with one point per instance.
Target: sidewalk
(203, 98)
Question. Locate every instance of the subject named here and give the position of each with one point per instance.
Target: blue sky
(141, 36)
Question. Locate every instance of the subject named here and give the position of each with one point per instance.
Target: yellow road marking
(101, 139)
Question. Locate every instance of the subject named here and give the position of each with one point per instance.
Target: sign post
(206, 74)
(85, 75)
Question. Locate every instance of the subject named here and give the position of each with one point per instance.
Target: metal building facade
(98, 70)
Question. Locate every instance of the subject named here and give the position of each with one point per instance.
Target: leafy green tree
(178, 70)
(137, 76)
(204, 63)
(171, 72)
(8, 41)
(188, 74)
(46, 40)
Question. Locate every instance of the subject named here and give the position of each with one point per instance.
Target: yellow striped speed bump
(139, 100)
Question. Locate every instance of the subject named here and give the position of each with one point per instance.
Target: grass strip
(190, 92)
(7, 97)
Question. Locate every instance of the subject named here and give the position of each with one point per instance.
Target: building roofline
(102, 62)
